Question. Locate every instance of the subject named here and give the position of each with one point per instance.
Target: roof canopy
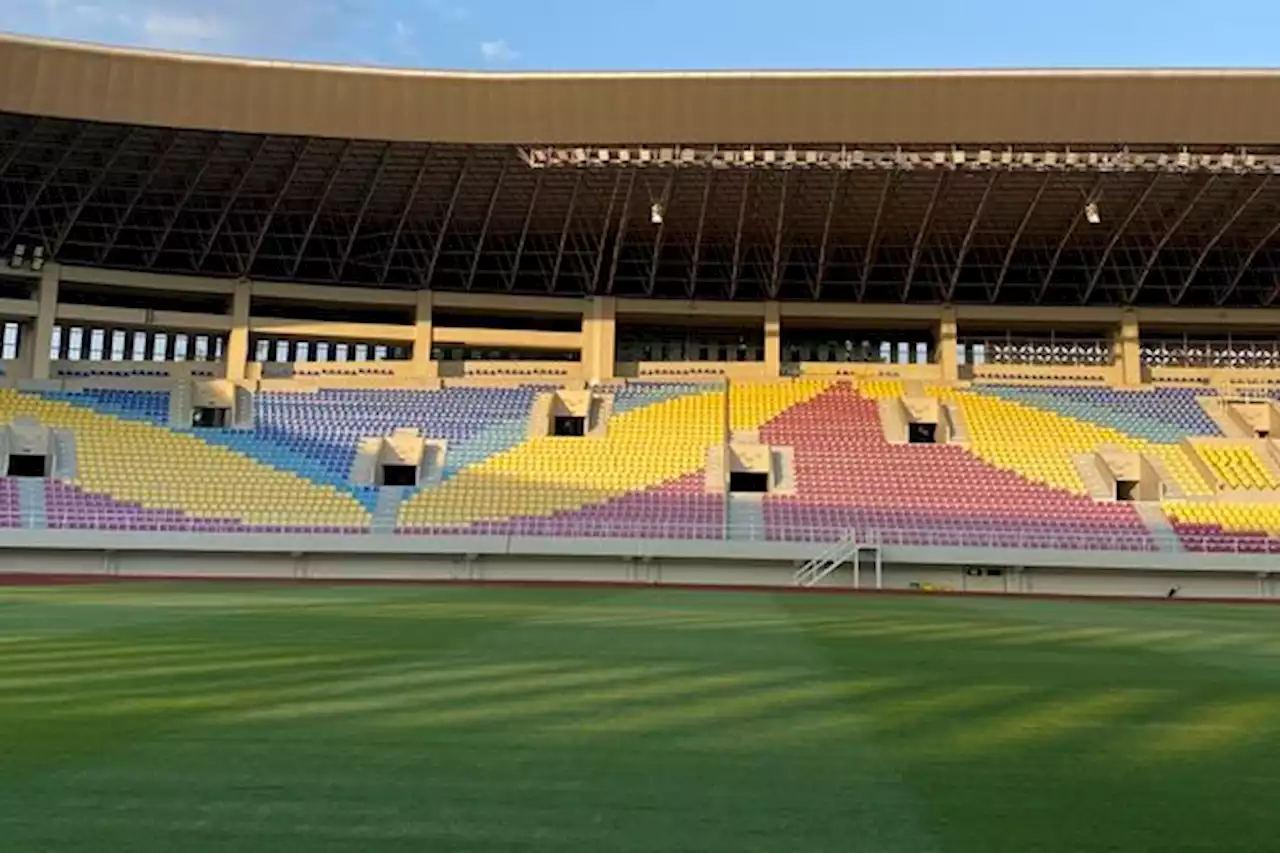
(974, 107)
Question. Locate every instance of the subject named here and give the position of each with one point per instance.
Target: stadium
(458, 461)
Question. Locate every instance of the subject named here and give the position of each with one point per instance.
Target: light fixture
(19, 255)
(656, 213)
(1091, 213)
(37, 259)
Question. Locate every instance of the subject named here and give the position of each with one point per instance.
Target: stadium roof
(1079, 107)
(942, 186)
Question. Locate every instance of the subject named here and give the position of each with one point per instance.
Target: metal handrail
(1102, 541)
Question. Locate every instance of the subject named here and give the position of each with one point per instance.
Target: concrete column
(237, 354)
(1127, 350)
(599, 338)
(772, 340)
(423, 365)
(948, 364)
(46, 315)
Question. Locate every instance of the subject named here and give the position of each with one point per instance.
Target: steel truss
(1192, 227)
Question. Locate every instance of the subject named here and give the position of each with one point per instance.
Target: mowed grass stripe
(519, 686)
(214, 665)
(661, 688)
(871, 715)
(754, 703)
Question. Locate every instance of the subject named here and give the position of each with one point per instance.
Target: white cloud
(446, 9)
(179, 29)
(374, 31)
(498, 51)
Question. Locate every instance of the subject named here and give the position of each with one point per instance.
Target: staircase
(64, 455)
(1090, 467)
(745, 517)
(813, 572)
(244, 410)
(31, 504)
(387, 511)
(1162, 531)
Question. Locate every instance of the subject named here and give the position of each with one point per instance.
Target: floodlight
(37, 259)
(19, 255)
(656, 213)
(1091, 213)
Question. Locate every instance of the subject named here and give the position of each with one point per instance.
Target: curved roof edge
(1105, 107)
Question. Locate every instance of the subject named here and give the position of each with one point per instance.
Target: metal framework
(1191, 227)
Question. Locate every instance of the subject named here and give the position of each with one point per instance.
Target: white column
(46, 315)
(237, 354)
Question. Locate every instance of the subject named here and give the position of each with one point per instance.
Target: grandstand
(308, 312)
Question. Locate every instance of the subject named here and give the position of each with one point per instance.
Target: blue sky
(681, 34)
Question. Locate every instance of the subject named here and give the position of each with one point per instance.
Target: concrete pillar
(237, 354)
(772, 340)
(599, 338)
(46, 315)
(423, 365)
(948, 363)
(1128, 352)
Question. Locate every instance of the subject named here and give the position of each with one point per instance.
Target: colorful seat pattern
(1015, 485)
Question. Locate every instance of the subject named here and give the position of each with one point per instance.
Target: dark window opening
(399, 475)
(1126, 490)
(26, 465)
(1264, 433)
(922, 433)
(570, 426)
(210, 417)
(749, 482)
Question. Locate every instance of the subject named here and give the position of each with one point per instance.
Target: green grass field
(190, 718)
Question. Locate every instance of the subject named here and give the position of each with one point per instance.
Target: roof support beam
(737, 237)
(360, 214)
(994, 295)
(315, 215)
(484, 227)
(1204, 186)
(873, 239)
(104, 172)
(514, 272)
(15, 149)
(603, 240)
(1066, 238)
(564, 234)
(620, 238)
(921, 233)
(1116, 236)
(815, 284)
(775, 274)
(230, 203)
(660, 235)
(1257, 247)
(177, 210)
(1236, 212)
(138, 193)
(968, 237)
(404, 215)
(429, 273)
(691, 287)
(45, 182)
(261, 237)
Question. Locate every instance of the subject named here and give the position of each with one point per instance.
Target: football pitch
(213, 717)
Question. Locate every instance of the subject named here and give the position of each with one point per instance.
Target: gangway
(846, 550)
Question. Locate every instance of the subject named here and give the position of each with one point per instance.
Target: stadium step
(31, 503)
(1166, 538)
(387, 511)
(745, 517)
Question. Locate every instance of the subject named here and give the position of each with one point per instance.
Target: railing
(638, 529)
